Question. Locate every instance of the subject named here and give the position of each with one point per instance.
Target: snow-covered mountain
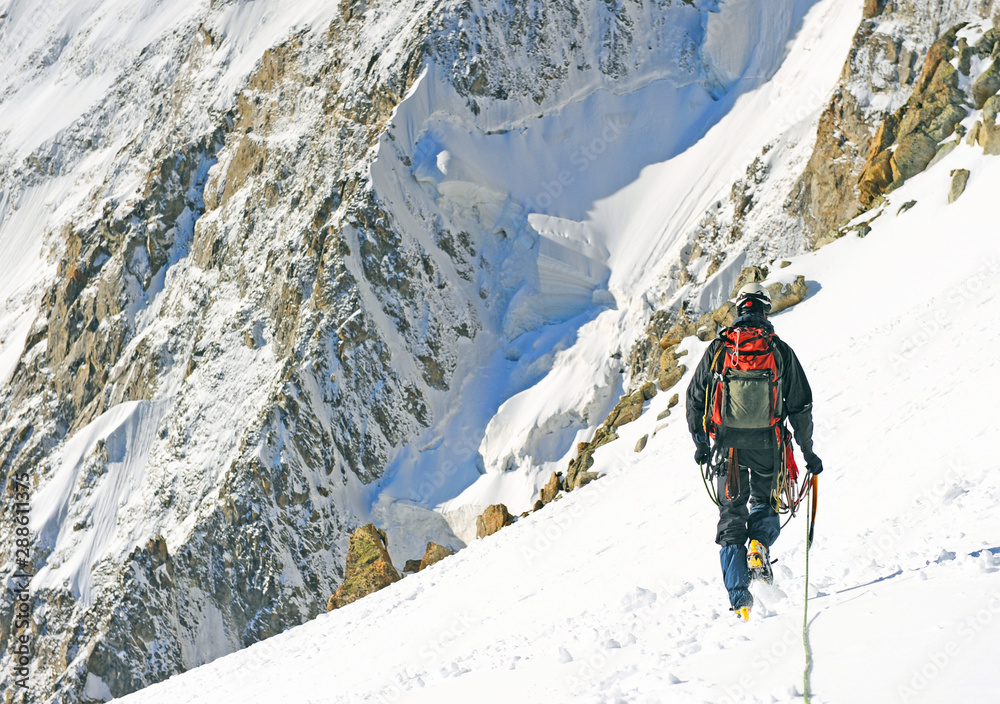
(613, 593)
(270, 273)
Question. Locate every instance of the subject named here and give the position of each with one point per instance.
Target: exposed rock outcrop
(959, 178)
(492, 520)
(640, 445)
(892, 59)
(627, 410)
(578, 472)
(434, 554)
(987, 84)
(748, 275)
(787, 295)
(368, 567)
(879, 64)
(909, 140)
(551, 488)
(988, 134)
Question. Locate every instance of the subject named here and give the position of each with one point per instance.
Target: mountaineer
(747, 383)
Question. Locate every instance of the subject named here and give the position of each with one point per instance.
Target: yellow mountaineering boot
(759, 562)
(743, 612)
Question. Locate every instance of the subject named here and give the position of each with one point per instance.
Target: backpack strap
(712, 379)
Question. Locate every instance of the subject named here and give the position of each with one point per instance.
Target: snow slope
(613, 593)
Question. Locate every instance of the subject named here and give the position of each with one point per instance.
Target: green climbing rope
(708, 487)
(805, 611)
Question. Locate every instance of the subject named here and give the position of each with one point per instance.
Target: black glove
(814, 464)
(702, 450)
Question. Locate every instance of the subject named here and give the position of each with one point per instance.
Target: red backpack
(745, 392)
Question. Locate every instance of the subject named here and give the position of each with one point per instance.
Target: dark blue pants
(739, 523)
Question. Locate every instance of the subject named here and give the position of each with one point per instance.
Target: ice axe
(814, 482)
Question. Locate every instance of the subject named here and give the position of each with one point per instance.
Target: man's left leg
(731, 536)
(763, 523)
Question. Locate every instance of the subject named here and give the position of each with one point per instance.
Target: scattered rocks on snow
(787, 295)
(641, 444)
(749, 275)
(578, 472)
(959, 177)
(987, 85)
(988, 134)
(551, 489)
(492, 520)
(434, 554)
(873, 8)
(629, 408)
(368, 567)
(724, 315)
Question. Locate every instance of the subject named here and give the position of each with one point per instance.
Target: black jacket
(794, 387)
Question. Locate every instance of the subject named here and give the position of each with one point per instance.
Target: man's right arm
(697, 391)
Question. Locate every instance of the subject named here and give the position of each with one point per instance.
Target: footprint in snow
(454, 670)
(770, 594)
(988, 562)
(637, 599)
(564, 656)
(683, 589)
(783, 573)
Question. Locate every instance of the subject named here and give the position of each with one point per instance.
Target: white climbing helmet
(754, 298)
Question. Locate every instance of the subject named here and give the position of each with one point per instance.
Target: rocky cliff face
(262, 256)
(255, 296)
(887, 63)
